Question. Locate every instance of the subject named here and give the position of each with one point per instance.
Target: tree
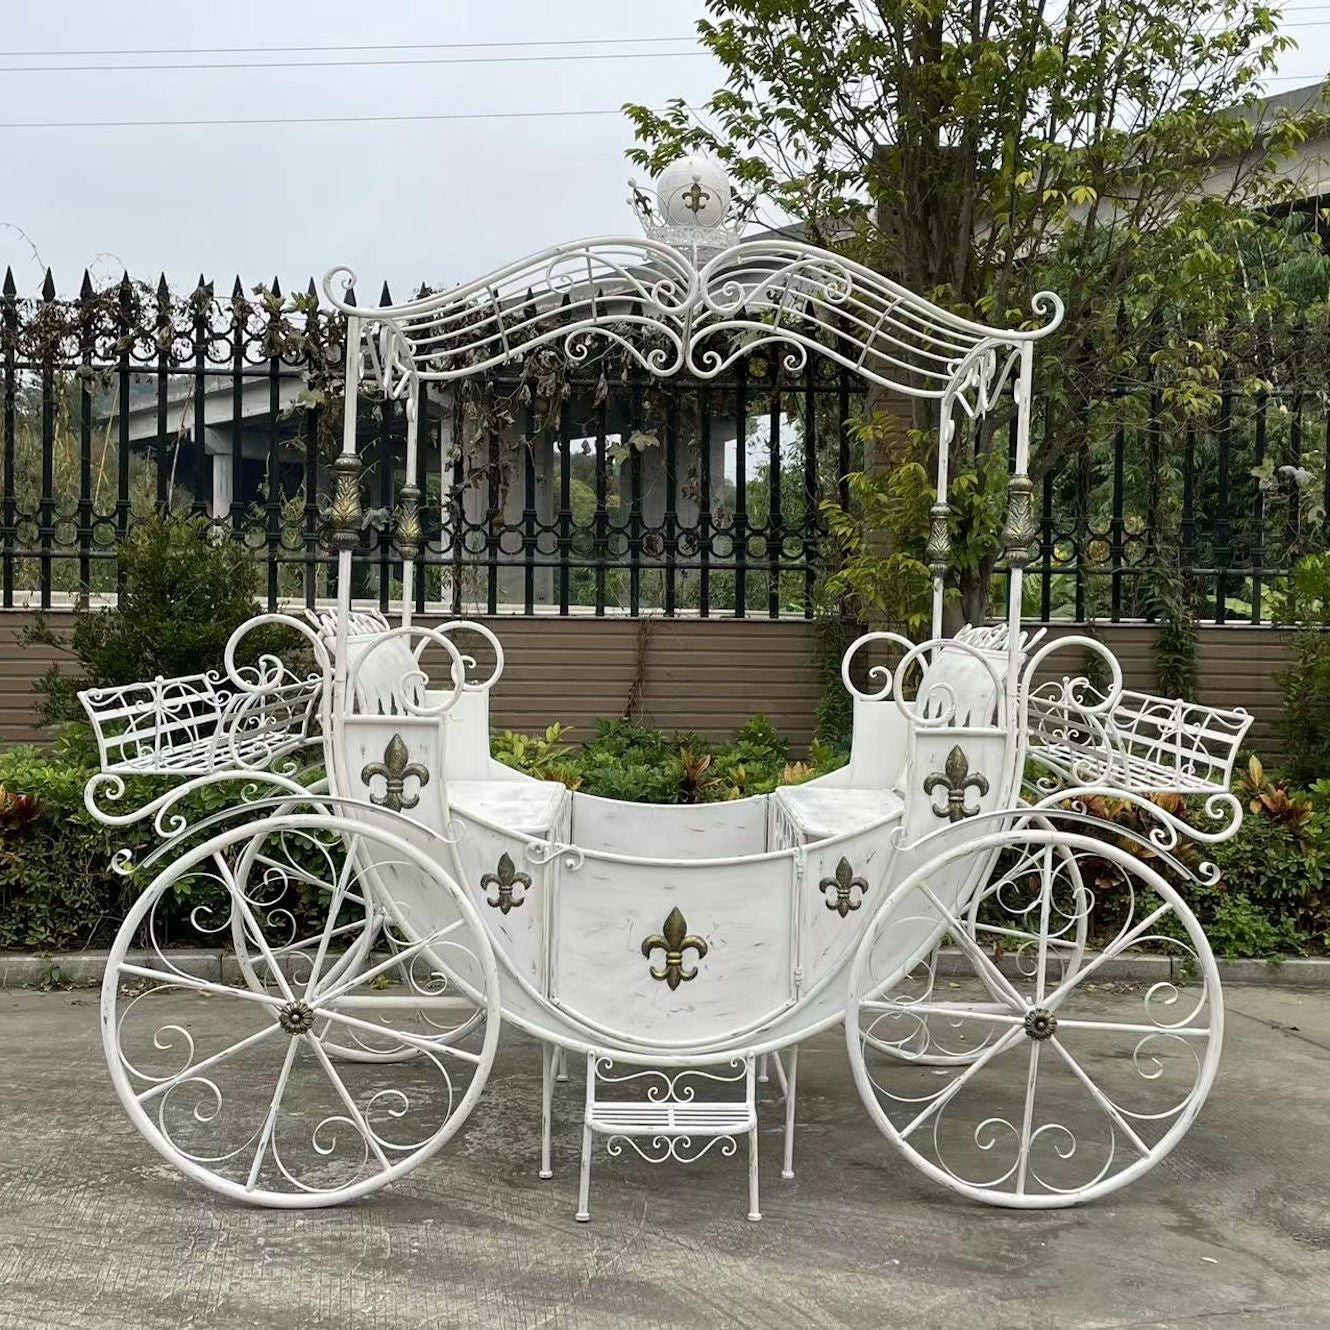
(1115, 151)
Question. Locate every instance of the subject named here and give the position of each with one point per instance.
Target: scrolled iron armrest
(1074, 687)
(266, 673)
(469, 661)
(1220, 807)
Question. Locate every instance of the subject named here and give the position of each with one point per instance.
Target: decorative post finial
(345, 517)
(1018, 532)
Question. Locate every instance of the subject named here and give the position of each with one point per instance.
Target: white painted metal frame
(673, 938)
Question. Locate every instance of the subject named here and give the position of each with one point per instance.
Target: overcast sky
(439, 201)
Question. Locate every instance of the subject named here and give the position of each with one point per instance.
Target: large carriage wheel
(234, 1083)
(1076, 1082)
(361, 938)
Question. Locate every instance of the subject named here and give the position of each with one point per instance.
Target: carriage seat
(872, 785)
(475, 782)
(531, 807)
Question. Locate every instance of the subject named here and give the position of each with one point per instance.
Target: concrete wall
(710, 675)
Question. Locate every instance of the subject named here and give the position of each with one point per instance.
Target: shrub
(1306, 683)
(1306, 714)
(57, 890)
(181, 597)
(640, 763)
(1272, 895)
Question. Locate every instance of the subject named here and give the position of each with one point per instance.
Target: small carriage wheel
(1075, 1085)
(354, 1047)
(234, 1084)
(1017, 937)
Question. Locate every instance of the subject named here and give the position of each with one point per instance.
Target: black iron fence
(566, 488)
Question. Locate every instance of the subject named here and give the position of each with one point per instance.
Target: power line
(302, 120)
(295, 50)
(326, 64)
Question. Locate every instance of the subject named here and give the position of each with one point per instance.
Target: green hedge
(59, 893)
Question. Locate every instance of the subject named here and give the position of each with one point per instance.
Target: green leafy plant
(181, 597)
(1272, 894)
(876, 585)
(640, 763)
(981, 153)
(1306, 682)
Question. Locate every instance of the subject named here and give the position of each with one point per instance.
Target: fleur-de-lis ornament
(695, 198)
(396, 769)
(504, 879)
(956, 777)
(674, 939)
(840, 888)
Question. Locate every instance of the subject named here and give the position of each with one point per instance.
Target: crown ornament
(693, 207)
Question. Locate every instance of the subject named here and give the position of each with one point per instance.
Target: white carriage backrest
(382, 677)
(467, 722)
(957, 684)
(878, 744)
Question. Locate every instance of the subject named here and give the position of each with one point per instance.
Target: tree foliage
(981, 149)
(1118, 152)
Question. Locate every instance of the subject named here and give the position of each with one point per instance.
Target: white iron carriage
(393, 894)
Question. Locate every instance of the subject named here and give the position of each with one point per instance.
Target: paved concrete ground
(95, 1231)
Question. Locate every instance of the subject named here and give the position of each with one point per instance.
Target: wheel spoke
(269, 1122)
(334, 908)
(407, 953)
(170, 1082)
(1099, 1096)
(1041, 971)
(178, 980)
(1023, 935)
(1128, 1027)
(423, 1042)
(946, 1095)
(351, 1106)
(972, 949)
(252, 929)
(313, 941)
(979, 1011)
(1114, 948)
(1027, 1118)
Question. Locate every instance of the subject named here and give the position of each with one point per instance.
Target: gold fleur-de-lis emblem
(674, 939)
(504, 879)
(840, 889)
(396, 769)
(956, 777)
(695, 198)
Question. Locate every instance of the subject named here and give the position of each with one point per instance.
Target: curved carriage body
(393, 893)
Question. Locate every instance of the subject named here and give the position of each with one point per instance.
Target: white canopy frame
(675, 315)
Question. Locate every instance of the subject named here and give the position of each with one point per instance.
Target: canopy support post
(1018, 531)
(345, 516)
(407, 520)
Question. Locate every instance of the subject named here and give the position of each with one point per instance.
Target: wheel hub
(296, 1017)
(1040, 1023)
